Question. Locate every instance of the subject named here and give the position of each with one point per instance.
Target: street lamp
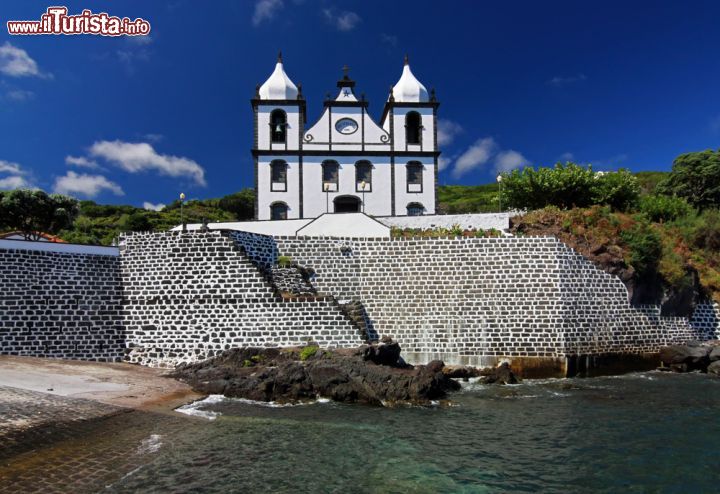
(182, 220)
(362, 187)
(499, 181)
(326, 187)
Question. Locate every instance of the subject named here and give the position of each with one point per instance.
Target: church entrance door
(347, 204)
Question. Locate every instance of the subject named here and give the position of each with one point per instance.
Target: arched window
(415, 209)
(414, 176)
(278, 176)
(413, 127)
(278, 211)
(330, 176)
(278, 126)
(363, 175)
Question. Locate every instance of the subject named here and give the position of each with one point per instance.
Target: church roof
(408, 89)
(278, 86)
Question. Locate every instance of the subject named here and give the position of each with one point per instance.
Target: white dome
(408, 89)
(278, 85)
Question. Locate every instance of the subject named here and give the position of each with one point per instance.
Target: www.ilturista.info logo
(57, 21)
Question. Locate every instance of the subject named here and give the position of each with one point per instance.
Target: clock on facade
(346, 126)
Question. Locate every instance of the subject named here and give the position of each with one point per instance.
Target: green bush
(645, 246)
(307, 352)
(662, 209)
(284, 261)
(568, 186)
(707, 233)
(619, 190)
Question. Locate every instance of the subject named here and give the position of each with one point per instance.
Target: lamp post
(499, 181)
(362, 188)
(326, 186)
(182, 202)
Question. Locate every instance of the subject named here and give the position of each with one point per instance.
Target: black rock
(383, 354)
(714, 368)
(369, 374)
(502, 374)
(693, 357)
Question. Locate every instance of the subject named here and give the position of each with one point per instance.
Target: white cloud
(343, 21)
(567, 156)
(447, 131)
(139, 40)
(10, 167)
(443, 163)
(265, 10)
(16, 62)
(152, 207)
(140, 156)
(560, 81)
(85, 185)
(81, 161)
(19, 95)
(509, 160)
(475, 156)
(14, 182)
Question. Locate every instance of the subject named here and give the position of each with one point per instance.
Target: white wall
(344, 225)
(428, 136)
(293, 120)
(266, 197)
(485, 221)
(376, 139)
(59, 247)
(403, 197)
(276, 228)
(377, 202)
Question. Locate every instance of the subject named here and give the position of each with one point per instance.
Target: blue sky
(118, 120)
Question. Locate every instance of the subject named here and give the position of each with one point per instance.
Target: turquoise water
(650, 432)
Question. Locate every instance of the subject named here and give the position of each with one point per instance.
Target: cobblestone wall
(189, 296)
(64, 305)
(470, 297)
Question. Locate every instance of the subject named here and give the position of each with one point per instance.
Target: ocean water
(648, 432)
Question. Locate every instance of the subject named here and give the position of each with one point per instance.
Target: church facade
(344, 162)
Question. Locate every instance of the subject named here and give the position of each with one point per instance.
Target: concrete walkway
(123, 385)
(69, 426)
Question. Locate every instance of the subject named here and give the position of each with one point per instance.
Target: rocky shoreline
(370, 374)
(692, 357)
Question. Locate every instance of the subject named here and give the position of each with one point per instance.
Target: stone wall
(60, 304)
(463, 299)
(188, 296)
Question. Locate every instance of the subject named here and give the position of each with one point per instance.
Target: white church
(345, 162)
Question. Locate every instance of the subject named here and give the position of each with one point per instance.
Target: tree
(33, 212)
(696, 177)
(566, 186)
(619, 190)
(241, 204)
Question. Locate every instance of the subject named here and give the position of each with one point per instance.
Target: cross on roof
(345, 70)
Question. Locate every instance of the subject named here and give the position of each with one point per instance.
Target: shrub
(568, 186)
(284, 261)
(307, 352)
(456, 230)
(707, 233)
(662, 209)
(619, 190)
(645, 248)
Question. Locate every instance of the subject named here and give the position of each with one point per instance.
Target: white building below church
(345, 162)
